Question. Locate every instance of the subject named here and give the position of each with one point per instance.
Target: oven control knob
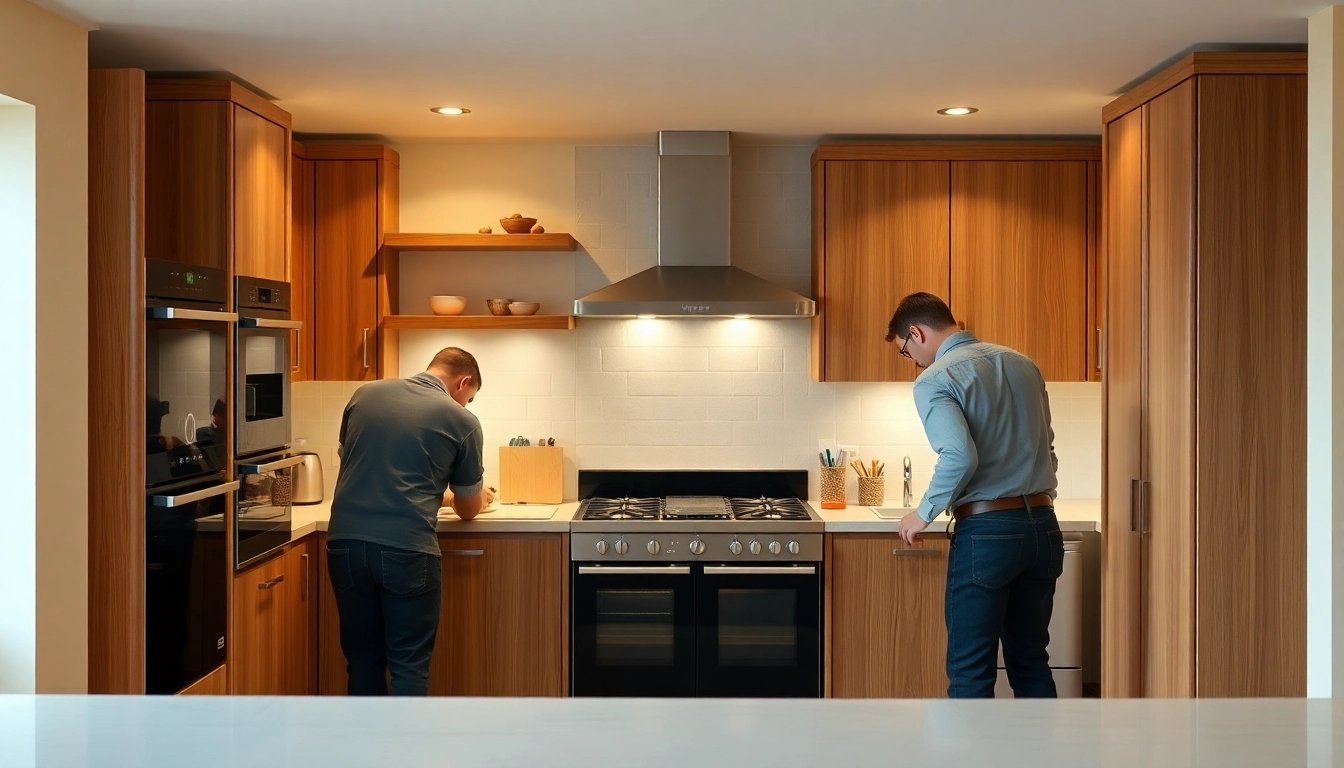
(755, 547)
(601, 546)
(653, 546)
(697, 547)
(622, 547)
(735, 547)
(794, 548)
(775, 548)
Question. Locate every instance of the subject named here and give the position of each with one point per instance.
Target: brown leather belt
(1002, 505)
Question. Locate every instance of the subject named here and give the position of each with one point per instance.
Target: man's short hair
(456, 362)
(919, 309)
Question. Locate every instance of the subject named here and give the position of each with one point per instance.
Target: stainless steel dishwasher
(1066, 628)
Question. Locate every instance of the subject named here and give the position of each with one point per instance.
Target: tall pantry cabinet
(1204, 523)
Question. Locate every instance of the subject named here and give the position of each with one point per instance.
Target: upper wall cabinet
(217, 177)
(1004, 233)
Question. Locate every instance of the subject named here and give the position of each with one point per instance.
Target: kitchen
(283, 268)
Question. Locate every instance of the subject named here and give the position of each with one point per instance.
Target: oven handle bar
(762, 570)
(178, 313)
(266, 322)
(623, 570)
(194, 496)
(258, 469)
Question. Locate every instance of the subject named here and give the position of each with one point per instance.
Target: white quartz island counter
(332, 732)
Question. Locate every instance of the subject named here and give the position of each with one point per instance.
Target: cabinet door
(331, 673)
(887, 633)
(1168, 521)
(299, 629)
(503, 627)
(886, 236)
(274, 607)
(1019, 259)
(301, 267)
(187, 201)
(1121, 647)
(345, 270)
(260, 189)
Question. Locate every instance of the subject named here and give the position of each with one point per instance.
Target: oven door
(186, 582)
(759, 631)
(264, 519)
(263, 384)
(633, 631)
(185, 388)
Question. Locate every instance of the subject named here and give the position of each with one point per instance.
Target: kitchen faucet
(906, 497)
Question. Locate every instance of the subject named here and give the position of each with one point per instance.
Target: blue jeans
(1001, 576)
(389, 601)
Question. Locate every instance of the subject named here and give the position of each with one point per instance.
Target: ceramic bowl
(523, 307)
(498, 307)
(517, 226)
(447, 305)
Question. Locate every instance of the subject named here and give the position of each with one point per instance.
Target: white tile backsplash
(694, 393)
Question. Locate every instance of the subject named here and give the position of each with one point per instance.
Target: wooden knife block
(531, 475)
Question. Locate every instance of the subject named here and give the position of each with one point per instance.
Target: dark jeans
(388, 600)
(1001, 586)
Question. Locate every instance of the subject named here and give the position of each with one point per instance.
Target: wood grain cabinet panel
(261, 171)
(301, 266)
(275, 609)
(886, 236)
(345, 270)
(1020, 259)
(886, 632)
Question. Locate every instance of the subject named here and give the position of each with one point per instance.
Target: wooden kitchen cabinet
(1020, 259)
(217, 177)
(1005, 233)
(1204, 592)
(353, 202)
(301, 253)
(504, 624)
(275, 612)
(885, 632)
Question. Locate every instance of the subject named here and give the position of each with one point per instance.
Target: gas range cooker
(685, 516)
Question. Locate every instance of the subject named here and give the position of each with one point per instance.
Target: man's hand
(911, 526)
(488, 496)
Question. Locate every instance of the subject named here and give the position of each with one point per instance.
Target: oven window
(758, 627)
(636, 628)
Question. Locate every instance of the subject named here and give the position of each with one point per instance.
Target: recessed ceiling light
(450, 110)
(957, 111)
(645, 317)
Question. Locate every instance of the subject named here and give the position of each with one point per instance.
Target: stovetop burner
(622, 509)
(694, 508)
(763, 508)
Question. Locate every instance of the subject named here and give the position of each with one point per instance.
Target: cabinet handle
(1143, 507)
(464, 552)
(298, 349)
(366, 347)
(1101, 348)
(305, 576)
(916, 552)
(271, 582)
(1133, 500)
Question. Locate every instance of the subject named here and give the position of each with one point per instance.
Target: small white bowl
(524, 307)
(447, 305)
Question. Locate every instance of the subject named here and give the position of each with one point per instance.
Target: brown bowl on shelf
(517, 226)
(523, 307)
(498, 307)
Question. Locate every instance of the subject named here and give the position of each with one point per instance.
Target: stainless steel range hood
(694, 276)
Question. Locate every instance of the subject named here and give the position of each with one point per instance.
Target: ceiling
(616, 69)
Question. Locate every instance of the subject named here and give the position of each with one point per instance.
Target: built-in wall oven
(264, 519)
(262, 379)
(187, 497)
(716, 594)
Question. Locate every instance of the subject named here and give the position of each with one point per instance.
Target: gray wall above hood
(694, 276)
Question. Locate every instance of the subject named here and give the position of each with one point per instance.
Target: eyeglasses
(904, 353)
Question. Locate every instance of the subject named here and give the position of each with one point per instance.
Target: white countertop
(1074, 515)
(335, 732)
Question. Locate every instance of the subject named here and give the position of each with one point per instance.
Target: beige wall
(44, 62)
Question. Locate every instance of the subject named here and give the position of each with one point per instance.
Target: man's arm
(468, 480)
(945, 426)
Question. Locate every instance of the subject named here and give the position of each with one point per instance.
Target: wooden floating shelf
(411, 241)
(478, 322)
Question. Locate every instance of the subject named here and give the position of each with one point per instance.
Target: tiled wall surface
(702, 393)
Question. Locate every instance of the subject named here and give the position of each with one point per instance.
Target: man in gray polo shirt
(407, 447)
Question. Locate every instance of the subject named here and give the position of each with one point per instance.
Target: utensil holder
(872, 491)
(833, 487)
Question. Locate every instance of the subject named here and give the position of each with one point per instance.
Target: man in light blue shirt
(986, 413)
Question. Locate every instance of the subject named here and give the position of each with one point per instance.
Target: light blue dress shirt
(986, 412)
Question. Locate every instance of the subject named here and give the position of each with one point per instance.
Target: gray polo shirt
(403, 443)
